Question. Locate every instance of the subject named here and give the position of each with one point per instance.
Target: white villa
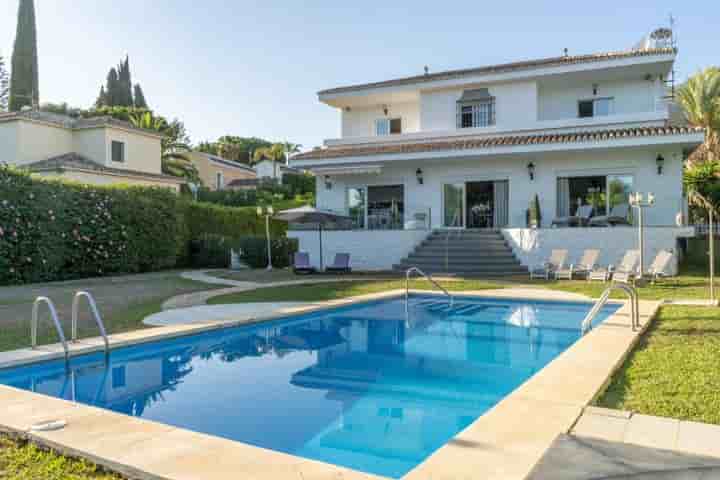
(99, 151)
(469, 149)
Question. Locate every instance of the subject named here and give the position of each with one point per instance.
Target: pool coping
(506, 442)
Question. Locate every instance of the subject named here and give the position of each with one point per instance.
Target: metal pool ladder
(634, 306)
(56, 322)
(96, 315)
(430, 279)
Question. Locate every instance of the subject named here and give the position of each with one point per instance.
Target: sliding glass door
(454, 205)
(602, 192)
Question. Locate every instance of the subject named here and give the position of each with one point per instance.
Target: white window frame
(386, 130)
(482, 111)
(611, 106)
(219, 180)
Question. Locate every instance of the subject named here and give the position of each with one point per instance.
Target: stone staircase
(481, 253)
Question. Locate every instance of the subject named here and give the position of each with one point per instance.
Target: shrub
(213, 251)
(204, 218)
(52, 230)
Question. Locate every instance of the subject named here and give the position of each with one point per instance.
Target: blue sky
(253, 68)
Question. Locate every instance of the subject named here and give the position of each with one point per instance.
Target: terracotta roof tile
(488, 142)
(503, 68)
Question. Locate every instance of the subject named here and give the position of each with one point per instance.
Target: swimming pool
(360, 386)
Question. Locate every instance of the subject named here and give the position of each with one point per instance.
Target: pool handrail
(430, 279)
(56, 322)
(96, 314)
(634, 307)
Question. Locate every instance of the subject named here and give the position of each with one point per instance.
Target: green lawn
(673, 372)
(25, 461)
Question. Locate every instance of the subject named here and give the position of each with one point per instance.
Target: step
(462, 268)
(493, 245)
(460, 262)
(463, 254)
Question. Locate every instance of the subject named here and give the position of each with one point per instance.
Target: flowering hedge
(52, 231)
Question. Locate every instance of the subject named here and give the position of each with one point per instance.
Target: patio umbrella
(308, 214)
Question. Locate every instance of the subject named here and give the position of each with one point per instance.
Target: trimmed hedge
(213, 251)
(55, 230)
(52, 230)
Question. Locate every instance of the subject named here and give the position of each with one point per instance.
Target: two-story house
(470, 149)
(100, 150)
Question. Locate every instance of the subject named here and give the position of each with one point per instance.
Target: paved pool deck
(505, 443)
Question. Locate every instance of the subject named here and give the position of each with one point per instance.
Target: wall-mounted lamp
(347, 109)
(385, 110)
(419, 176)
(328, 183)
(660, 162)
(595, 88)
(531, 170)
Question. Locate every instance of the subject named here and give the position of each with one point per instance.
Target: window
(219, 181)
(476, 115)
(118, 151)
(599, 107)
(388, 126)
(385, 207)
(602, 192)
(356, 206)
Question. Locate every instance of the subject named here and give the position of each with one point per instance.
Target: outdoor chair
(627, 271)
(341, 264)
(624, 272)
(580, 219)
(659, 267)
(583, 267)
(301, 263)
(555, 262)
(618, 216)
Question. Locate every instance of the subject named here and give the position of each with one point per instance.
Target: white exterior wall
(91, 144)
(369, 249)
(360, 122)
(142, 152)
(9, 133)
(559, 101)
(36, 141)
(515, 105)
(533, 247)
(268, 169)
(640, 162)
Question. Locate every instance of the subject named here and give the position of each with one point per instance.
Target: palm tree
(291, 148)
(174, 145)
(276, 153)
(700, 100)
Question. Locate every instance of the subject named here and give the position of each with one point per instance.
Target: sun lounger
(301, 263)
(341, 263)
(660, 266)
(583, 267)
(625, 272)
(555, 262)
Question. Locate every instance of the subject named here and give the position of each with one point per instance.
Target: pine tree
(4, 89)
(140, 97)
(24, 89)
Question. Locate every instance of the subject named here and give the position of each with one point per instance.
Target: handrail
(430, 279)
(96, 315)
(56, 321)
(634, 306)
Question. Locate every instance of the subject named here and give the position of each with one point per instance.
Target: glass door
(454, 205)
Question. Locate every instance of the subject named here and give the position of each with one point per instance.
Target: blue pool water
(359, 386)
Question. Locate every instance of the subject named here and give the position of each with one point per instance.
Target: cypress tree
(102, 98)
(4, 89)
(124, 95)
(112, 90)
(140, 97)
(24, 88)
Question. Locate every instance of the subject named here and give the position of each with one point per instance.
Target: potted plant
(534, 217)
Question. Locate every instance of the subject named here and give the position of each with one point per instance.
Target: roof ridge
(497, 68)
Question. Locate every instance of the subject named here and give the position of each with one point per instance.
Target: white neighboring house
(469, 149)
(99, 150)
(273, 170)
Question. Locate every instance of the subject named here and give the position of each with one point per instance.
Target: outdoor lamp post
(640, 201)
(267, 212)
